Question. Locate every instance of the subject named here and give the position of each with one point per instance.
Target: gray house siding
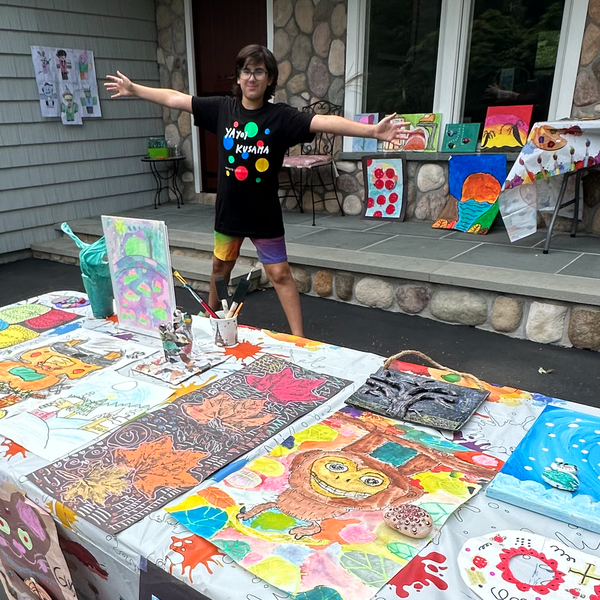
(50, 172)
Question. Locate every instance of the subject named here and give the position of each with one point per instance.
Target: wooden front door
(221, 29)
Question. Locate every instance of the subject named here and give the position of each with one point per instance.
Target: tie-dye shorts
(270, 250)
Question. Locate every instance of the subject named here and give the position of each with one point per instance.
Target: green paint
(160, 313)
(451, 377)
(129, 278)
(135, 246)
(131, 296)
(402, 550)
(271, 521)
(26, 374)
(394, 454)
(236, 549)
(157, 289)
(251, 129)
(144, 289)
(258, 180)
(231, 159)
(320, 592)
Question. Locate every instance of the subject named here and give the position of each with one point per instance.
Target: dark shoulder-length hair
(254, 54)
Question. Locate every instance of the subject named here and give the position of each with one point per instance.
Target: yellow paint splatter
(443, 481)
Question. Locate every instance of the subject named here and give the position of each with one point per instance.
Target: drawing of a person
(44, 62)
(88, 101)
(84, 65)
(63, 64)
(47, 94)
(68, 106)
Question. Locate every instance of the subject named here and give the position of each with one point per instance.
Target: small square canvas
(365, 144)
(385, 187)
(506, 126)
(424, 130)
(461, 137)
(474, 184)
(140, 268)
(555, 469)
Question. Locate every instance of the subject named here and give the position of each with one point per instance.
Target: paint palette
(418, 399)
(558, 437)
(24, 322)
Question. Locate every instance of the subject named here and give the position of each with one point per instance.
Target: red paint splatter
(243, 350)
(12, 449)
(596, 594)
(195, 551)
(420, 572)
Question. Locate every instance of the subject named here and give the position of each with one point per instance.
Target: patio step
(195, 268)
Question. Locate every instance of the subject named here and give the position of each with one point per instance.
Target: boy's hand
(387, 131)
(121, 84)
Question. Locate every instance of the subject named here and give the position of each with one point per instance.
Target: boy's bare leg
(221, 268)
(280, 276)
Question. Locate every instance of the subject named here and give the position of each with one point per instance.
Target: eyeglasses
(259, 74)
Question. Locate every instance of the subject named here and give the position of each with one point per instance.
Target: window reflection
(401, 58)
(513, 56)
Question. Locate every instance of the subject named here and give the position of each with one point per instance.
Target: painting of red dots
(385, 185)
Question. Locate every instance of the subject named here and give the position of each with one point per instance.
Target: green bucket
(100, 293)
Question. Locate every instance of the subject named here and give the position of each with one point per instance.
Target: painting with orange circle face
(475, 183)
(385, 179)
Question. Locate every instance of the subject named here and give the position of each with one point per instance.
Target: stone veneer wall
(544, 322)
(173, 71)
(586, 100)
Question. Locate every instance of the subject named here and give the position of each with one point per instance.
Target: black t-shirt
(252, 146)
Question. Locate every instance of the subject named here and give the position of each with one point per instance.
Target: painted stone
(562, 476)
(409, 520)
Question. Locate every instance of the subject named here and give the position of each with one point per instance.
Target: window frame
(453, 60)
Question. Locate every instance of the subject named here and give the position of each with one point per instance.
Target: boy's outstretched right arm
(121, 86)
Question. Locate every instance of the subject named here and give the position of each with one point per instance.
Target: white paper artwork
(526, 566)
(66, 82)
(82, 414)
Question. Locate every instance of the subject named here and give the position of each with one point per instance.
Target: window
(401, 55)
(457, 57)
(513, 53)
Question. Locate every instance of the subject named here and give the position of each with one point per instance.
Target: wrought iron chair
(314, 157)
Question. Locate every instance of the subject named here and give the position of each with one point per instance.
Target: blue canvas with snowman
(555, 470)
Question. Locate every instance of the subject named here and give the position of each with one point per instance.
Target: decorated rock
(409, 520)
(562, 476)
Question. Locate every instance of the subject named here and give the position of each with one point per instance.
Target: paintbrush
(207, 309)
(240, 293)
(222, 293)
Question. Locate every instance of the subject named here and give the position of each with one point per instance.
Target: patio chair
(314, 157)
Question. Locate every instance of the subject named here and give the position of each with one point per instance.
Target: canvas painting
(475, 183)
(150, 461)
(31, 562)
(385, 187)
(418, 399)
(82, 414)
(461, 137)
(308, 517)
(41, 369)
(506, 126)
(23, 322)
(555, 469)
(365, 144)
(140, 266)
(424, 130)
(174, 374)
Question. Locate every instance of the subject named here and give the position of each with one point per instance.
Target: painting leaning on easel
(140, 268)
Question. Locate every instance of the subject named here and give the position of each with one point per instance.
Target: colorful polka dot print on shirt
(384, 184)
(248, 150)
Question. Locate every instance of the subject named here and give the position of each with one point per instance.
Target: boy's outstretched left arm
(385, 130)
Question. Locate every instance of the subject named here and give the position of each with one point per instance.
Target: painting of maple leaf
(97, 483)
(157, 465)
(283, 387)
(224, 410)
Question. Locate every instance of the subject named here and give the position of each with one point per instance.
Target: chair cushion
(306, 161)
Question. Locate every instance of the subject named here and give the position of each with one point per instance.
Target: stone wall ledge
(424, 156)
